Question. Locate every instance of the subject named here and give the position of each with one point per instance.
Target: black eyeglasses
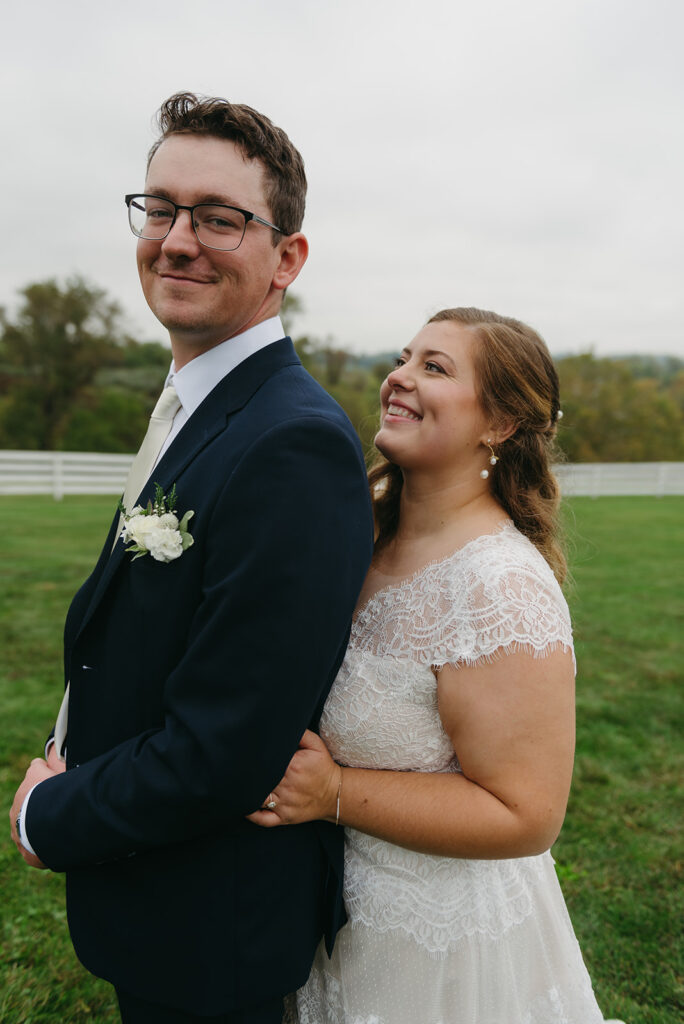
(216, 226)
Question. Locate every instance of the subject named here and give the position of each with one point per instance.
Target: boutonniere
(156, 529)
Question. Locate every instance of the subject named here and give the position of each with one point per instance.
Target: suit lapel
(230, 395)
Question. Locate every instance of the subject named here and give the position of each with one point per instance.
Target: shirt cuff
(22, 823)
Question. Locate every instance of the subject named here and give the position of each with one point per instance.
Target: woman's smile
(397, 409)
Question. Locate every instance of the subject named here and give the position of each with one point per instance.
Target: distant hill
(368, 361)
(663, 368)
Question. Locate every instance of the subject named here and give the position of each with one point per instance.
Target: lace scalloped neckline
(401, 582)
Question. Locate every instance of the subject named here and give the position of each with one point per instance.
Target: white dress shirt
(201, 375)
(193, 382)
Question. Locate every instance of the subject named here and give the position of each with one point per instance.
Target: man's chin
(190, 339)
(180, 317)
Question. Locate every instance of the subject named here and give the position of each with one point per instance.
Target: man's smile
(171, 275)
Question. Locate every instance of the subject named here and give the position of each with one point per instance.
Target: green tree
(335, 360)
(70, 377)
(675, 390)
(49, 354)
(612, 415)
(107, 421)
(291, 307)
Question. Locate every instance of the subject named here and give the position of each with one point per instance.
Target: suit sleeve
(287, 548)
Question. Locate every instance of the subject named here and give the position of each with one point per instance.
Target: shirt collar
(199, 377)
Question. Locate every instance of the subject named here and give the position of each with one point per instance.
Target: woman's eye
(399, 361)
(434, 368)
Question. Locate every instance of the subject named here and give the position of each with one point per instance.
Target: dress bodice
(493, 596)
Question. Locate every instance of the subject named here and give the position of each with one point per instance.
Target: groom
(194, 674)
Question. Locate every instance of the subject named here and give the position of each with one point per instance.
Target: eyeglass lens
(219, 227)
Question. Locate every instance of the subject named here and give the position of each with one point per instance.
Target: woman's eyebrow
(438, 352)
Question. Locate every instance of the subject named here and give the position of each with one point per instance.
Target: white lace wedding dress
(438, 940)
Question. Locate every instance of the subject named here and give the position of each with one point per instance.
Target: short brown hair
(257, 138)
(517, 385)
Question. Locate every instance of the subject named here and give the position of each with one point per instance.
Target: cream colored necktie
(158, 430)
(160, 426)
(161, 421)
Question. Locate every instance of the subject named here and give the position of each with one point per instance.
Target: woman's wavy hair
(517, 386)
(258, 139)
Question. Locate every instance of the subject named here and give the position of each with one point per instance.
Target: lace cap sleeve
(502, 598)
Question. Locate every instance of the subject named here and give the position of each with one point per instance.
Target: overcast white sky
(523, 156)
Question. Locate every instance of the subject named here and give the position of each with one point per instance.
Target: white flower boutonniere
(156, 530)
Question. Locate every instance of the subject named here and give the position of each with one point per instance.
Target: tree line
(73, 379)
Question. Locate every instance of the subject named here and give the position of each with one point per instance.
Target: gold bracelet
(339, 790)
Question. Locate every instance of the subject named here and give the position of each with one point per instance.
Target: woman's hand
(307, 792)
(54, 761)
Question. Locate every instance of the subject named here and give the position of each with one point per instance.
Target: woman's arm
(512, 724)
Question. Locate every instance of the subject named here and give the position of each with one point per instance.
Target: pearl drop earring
(484, 473)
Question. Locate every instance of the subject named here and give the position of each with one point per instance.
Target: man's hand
(38, 771)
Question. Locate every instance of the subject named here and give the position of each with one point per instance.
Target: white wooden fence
(60, 473)
(602, 479)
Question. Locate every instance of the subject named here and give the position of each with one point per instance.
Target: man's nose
(181, 239)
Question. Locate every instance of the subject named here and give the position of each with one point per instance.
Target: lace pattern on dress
(438, 901)
(384, 715)
(497, 592)
(495, 595)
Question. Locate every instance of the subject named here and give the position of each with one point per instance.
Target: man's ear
(293, 253)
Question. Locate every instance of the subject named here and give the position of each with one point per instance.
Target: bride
(451, 722)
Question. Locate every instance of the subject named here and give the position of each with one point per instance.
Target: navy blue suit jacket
(191, 684)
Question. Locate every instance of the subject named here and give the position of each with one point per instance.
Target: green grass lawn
(619, 855)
